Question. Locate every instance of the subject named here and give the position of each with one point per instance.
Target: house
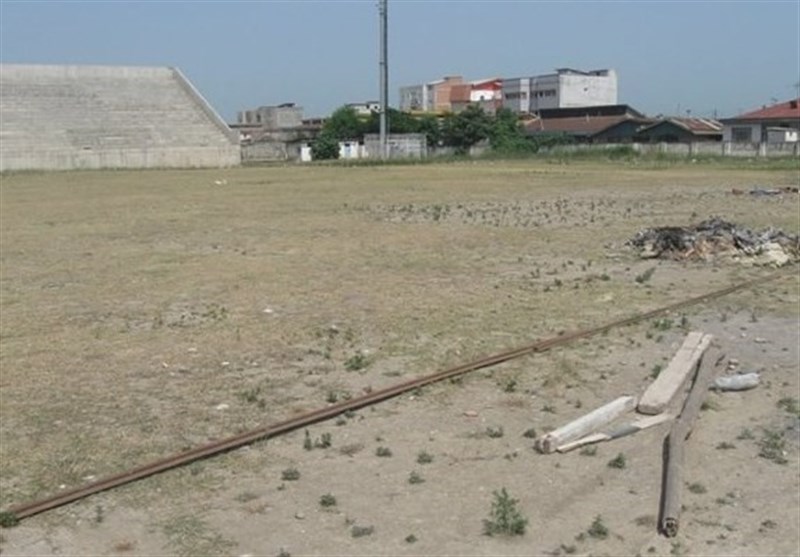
(778, 123)
(433, 96)
(565, 88)
(486, 93)
(583, 124)
(680, 130)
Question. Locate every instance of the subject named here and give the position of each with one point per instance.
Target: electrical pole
(383, 8)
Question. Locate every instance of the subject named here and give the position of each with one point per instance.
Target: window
(742, 135)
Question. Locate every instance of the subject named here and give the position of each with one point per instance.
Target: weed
(663, 324)
(568, 549)
(549, 409)
(307, 443)
(725, 446)
(509, 385)
(530, 433)
(617, 462)
(677, 549)
(327, 500)
(645, 276)
(383, 452)
(494, 432)
(657, 369)
(598, 530)
(424, 457)
(790, 405)
(697, 488)
(589, 451)
(361, 531)
(351, 449)
(411, 538)
(605, 277)
(284, 553)
(709, 404)
(685, 325)
(123, 546)
(772, 447)
(504, 517)
(647, 520)
(290, 475)
(324, 441)
(332, 397)
(745, 435)
(356, 362)
(99, 514)
(414, 478)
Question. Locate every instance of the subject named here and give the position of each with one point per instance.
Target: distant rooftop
(781, 111)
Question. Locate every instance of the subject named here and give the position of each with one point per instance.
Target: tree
(429, 125)
(325, 147)
(506, 134)
(344, 124)
(465, 129)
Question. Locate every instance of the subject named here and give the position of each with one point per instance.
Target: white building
(566, 88)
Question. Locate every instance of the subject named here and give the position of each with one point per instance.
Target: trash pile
(715, 237)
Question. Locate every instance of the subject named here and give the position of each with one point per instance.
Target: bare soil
(143, 313)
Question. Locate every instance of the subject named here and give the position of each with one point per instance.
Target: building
(563, 89)
(778, 123)
(680, 130)
(434, 96)
(366, 108)
(486, 93)
(268, 118)
(584, 124)
(72, 117)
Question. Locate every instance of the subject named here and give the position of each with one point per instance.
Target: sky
(672, 57)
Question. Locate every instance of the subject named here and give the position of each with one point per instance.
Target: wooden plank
(664, 388)
(621, 431)
(675, 443)
(587, 423)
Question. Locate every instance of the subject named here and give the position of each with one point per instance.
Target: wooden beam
(587, 423)
(622, 431)
(661, 391)
(675, 443)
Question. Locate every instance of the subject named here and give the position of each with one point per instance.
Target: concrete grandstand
(73, 117)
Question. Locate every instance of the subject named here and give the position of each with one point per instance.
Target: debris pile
(714, 237)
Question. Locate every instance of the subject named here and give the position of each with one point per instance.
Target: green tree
(429, 125)
(344, 124)
(506, 133)
(325, 147)
(465, 129)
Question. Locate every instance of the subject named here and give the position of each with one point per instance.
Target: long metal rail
(19, 512)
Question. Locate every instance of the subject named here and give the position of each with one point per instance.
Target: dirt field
(144, 313)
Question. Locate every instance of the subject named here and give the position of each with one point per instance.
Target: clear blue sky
(727, 56)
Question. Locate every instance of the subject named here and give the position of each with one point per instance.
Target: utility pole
(383, 9)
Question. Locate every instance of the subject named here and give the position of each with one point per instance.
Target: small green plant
(356, 362)
(504, 517)
(725, 446)
(745, 435)
(589, 451)
(618, 462)
(361, 531)
(327, 500)
(663, 324)
(772, 446)
(645, 276)
(99, 514)
(509, 385)
(414, 478)
(549, 409)
(323, 442)
(284, 553)
(657, 369)
(598, 530)
(383, 452)
(569, 549)
(494, 432)
(697, 488)
(290, 474)
(332, 397)
(530, 433)
(424, 457)
(411, 538)
(307, 443)
(790, 405)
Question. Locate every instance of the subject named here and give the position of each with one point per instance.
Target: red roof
(781, 111)
(697, 126)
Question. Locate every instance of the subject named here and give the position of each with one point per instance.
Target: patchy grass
(504, 517)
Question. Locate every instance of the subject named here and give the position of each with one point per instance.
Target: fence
(705, 148)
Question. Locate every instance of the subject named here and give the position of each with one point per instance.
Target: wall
(587, 90)
(413, 98)
(400, 146)
(707, 148)
(755, 131)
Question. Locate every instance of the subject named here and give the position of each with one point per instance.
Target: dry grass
(140, 309)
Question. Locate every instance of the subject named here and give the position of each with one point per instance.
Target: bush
(504, 517)
(325, 147)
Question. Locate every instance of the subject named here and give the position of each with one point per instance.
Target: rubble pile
(715, 237)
